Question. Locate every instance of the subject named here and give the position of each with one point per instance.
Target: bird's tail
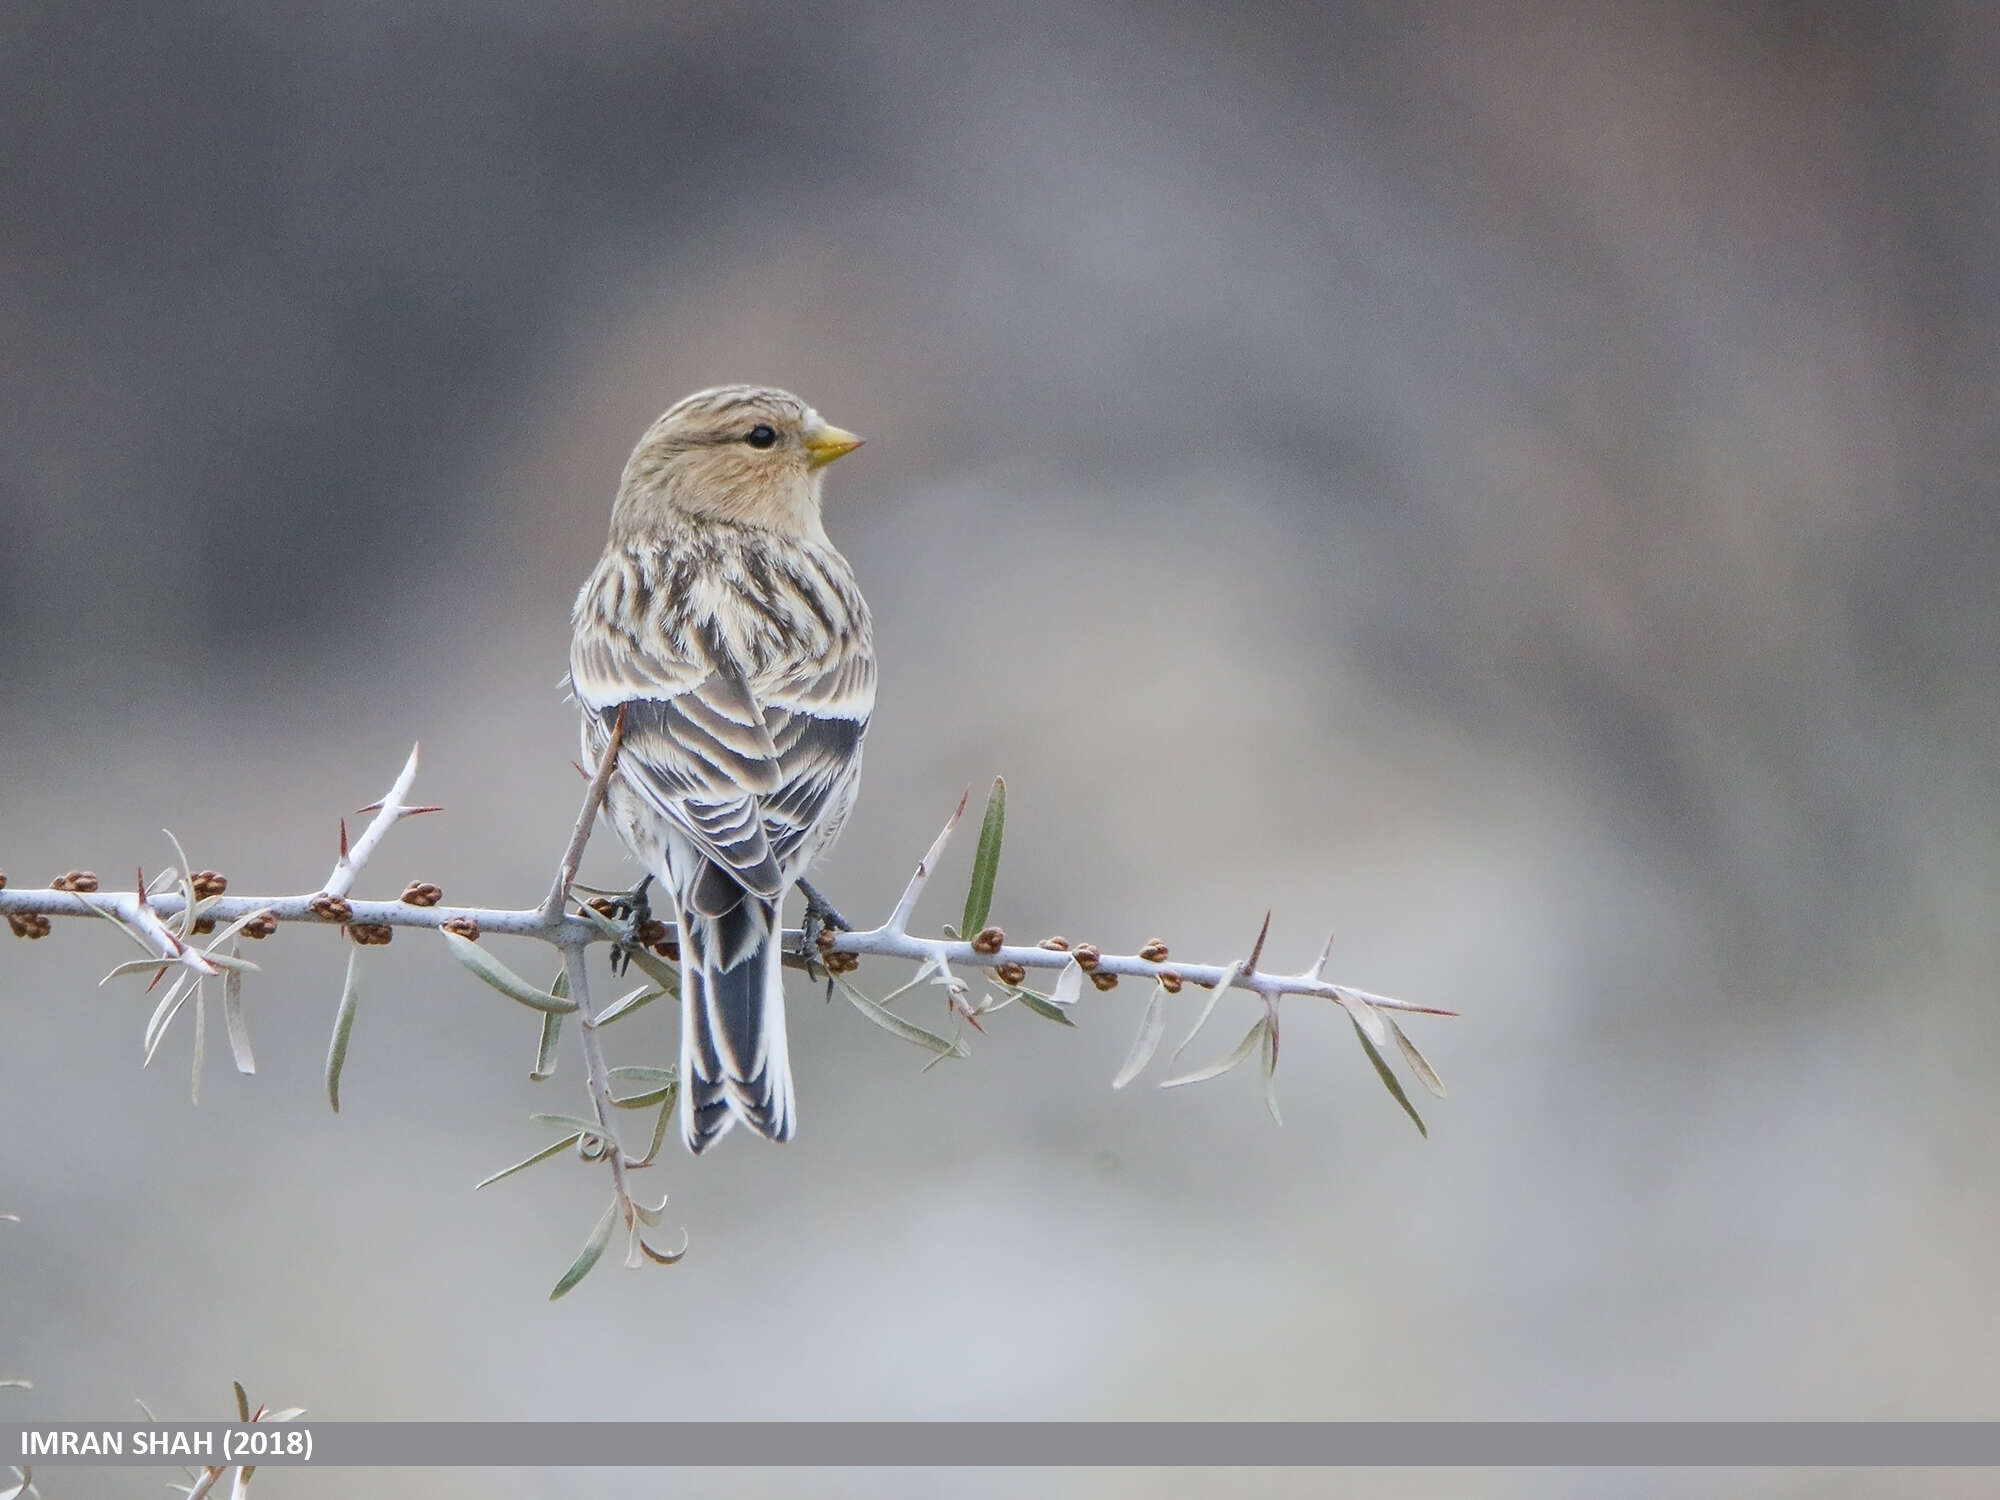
(734, 1060)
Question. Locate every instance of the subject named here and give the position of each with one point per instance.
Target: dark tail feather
(734, 1060)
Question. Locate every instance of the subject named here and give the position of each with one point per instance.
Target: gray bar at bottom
(1122, 1444)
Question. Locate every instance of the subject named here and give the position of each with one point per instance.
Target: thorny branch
(203, 1483)
(164, 916)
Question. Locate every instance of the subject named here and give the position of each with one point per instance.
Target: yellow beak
(824, 444)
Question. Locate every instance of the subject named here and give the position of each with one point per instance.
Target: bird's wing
(816, 716)
(695, 745)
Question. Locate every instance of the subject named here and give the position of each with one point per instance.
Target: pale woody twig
(879, 942)
(388, 812)
(890, 940)
(575, 952)
(593, 799)
(528, 924)
(573, 934)
(200, 1485)
(882, 943)
(899, 919)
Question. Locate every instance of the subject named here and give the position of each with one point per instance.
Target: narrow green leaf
(1069, 984)
(666, 1257)
(164, 1013)
(1147, 1042)
(200, 1044)
(655, 968)
(134, 966)
(985, 862)
(233, 964)
(1042, 1006)
(188, 912)
(1207, 1010)
(1251, 1039)
(242, 1402)
(624, 1005)
(643, 1101)
(667, 1100)
(640, 1073)
(1271, 1070)
(545, 1050)
(592, 1249)
(502, 978)
(528, 1161)
(1419, 1065)
(1389, 1081)
(896, 1026)
(570, 1122)
(1364, 1015)
(343, 1027)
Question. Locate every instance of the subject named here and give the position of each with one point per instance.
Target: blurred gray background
(1510, 484)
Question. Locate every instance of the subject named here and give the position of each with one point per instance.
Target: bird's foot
(820, 918)
(636, 912)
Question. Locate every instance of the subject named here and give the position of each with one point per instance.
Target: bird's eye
(761, 436)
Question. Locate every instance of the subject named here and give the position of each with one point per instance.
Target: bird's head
(742, 453)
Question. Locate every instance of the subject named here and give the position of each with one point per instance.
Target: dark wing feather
(819, 760)
(695, 747)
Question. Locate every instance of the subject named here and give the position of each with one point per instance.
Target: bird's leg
(818, 907)
(632, 908)
(820, 917)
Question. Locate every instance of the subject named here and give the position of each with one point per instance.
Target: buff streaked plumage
(731, 632)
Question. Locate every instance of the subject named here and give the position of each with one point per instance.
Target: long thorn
(899, 919)
(353, 857)
(1318, 971)
(1257, 950)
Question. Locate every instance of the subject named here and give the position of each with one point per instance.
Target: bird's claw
(820, 917)
(633, 909)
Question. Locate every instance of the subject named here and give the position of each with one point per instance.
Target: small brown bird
(734, 637)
